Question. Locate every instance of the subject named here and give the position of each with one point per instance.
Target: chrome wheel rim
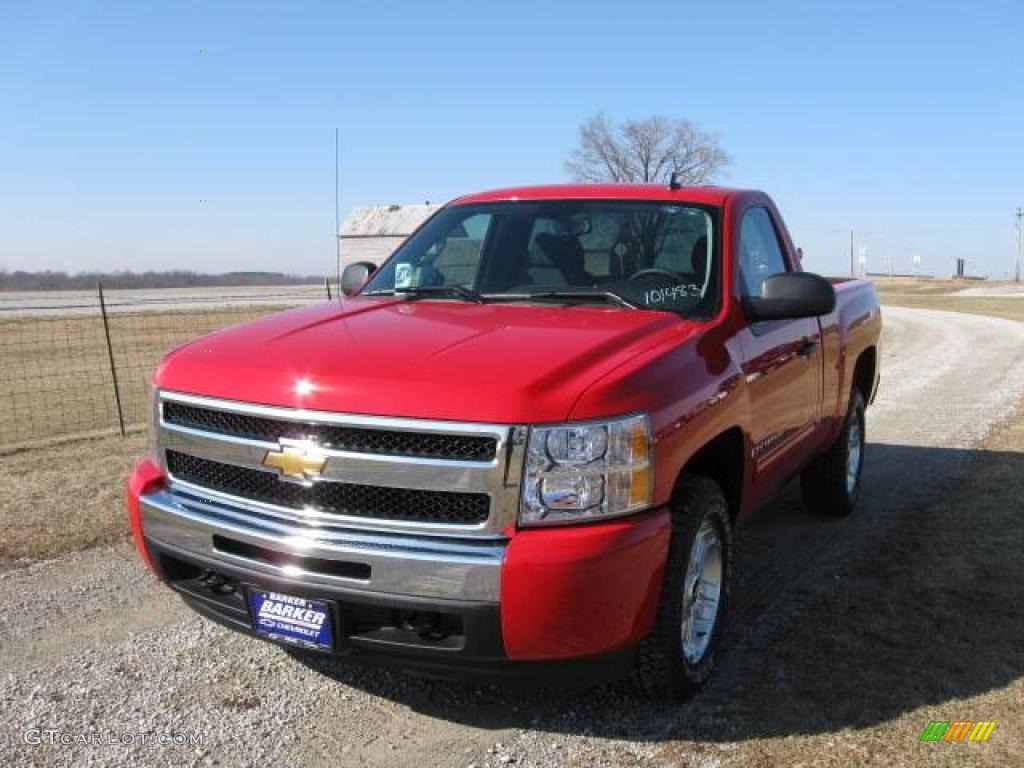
(702, 592)
(853, 455)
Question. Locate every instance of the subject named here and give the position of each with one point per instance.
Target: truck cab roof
(705, 195)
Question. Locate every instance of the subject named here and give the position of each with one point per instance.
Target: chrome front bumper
(191, 523)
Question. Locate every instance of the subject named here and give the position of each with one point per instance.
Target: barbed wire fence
(76, 364)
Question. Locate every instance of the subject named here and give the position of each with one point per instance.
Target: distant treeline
(62, 281)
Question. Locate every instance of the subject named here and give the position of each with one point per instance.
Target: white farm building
(371, 233)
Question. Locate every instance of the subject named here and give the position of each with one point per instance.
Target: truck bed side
(849, 334)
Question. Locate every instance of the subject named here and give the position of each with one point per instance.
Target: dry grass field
(1010, 308)
(58, 499)
(55, 375)
(943, 294)
(919, 286)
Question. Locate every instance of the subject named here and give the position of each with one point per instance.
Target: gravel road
(92, 645)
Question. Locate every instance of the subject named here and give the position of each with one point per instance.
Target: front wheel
(831, 484)
(678, 656)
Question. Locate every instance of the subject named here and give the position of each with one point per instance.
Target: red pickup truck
(522, 444)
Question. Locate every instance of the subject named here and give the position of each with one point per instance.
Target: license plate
(290, 619)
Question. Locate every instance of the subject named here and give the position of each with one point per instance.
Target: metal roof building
(371, 233)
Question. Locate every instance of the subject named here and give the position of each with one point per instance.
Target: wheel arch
(722, 459)
(865, 372)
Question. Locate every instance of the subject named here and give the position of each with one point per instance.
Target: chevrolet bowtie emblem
(300, 461)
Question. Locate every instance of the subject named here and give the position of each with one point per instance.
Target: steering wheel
(655, 271)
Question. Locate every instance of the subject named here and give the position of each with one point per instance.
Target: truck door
(781, 361)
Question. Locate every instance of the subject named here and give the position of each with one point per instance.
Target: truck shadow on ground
(916, 600)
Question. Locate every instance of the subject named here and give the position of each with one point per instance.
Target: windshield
(659, 256)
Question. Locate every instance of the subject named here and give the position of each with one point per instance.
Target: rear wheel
(831, 484)
(678, 656)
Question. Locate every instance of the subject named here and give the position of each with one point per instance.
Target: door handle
(807, 347)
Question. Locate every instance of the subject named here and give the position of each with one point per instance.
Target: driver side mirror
(791, 295)
(355, 276)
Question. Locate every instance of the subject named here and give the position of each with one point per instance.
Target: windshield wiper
(451, 291)
(468, 294)
(605, 296)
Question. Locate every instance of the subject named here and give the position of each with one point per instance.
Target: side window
(760, 254)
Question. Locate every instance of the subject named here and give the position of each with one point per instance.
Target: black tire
(825, 483)
(662, 671)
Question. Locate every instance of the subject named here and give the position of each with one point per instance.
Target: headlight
(587, 470)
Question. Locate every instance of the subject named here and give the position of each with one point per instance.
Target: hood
(497, 363)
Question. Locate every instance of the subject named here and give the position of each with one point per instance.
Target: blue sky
(903, 121)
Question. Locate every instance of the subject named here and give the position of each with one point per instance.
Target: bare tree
(647, 150)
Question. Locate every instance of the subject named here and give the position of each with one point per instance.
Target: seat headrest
(564, 251)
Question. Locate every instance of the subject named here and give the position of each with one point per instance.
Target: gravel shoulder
(845, 639)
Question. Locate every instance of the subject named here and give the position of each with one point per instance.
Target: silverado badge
(300, 460)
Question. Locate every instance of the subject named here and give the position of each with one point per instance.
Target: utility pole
(1020, 255)
(853, 263)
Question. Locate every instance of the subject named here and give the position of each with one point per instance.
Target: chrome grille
(335, 436)
(380, 473)
(348, 499)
